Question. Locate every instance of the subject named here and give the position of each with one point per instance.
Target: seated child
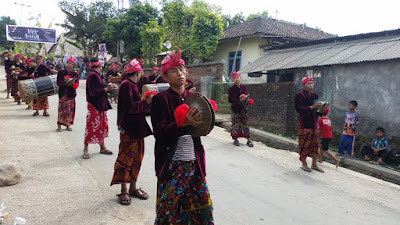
(380, 146)
(324, 124)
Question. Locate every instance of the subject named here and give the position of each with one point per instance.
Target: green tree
(151, 37)
(227, 20)
(85, 23)
(4, 44)
(263, 14)
(237, 19)
(127, 28)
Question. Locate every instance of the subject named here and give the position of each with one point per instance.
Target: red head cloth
(172, 60)
(9, 54)
(327, 110)
(235, 74)
(29, 60)
(93, 64)
(17, 55)
(112, 65)
(71, 59)
(155, 68)
(306, 80)
(133, 66)
(23, 58)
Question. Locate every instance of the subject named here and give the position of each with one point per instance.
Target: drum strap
(155, 80)
(35, 69)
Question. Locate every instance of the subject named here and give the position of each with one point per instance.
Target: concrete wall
(374, 85)
(252, 48)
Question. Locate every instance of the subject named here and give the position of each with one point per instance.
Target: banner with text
(30, 34)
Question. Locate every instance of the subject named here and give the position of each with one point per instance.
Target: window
(231, 58)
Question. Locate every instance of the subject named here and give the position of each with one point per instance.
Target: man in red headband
(68, 82)
(182, 192)
(237, 96)
(155, 77)
(307, 124)
(133, 129)
(8, 62)
(96, 120)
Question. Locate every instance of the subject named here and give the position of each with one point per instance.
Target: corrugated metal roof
(343, 52)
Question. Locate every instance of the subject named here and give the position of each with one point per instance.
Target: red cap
(306, 80)
(172, 60)
(133, 66)
(71, 59)
(235, 74)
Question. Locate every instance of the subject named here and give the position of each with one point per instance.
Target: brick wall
(214, 69)
(273, 108)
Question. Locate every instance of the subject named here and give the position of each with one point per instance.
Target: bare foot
(337, 163)
(320, 160)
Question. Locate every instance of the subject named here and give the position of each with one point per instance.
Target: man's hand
(192, 117)
(149, 99)
(111, 87)
(315, 105)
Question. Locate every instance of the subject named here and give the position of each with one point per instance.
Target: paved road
(259, 185)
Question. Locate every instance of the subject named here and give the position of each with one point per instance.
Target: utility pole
(20, 16)
(276, 14)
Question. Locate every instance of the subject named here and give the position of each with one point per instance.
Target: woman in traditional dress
(133, 129)
(237, 96)
(68, 82)
(96, 120)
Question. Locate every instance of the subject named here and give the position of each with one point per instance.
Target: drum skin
(31, 89)
(154, 87)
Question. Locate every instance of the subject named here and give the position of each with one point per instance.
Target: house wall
(374, 85)
(252, 48)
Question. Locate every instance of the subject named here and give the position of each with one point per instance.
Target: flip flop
(46, 114)
(306, 168)
(58, 130)
(85, 156)
(35, 114)
(69, 129)
(122, 201)
(318, 169)
(142, 196)
(250, 144)
(106, 152)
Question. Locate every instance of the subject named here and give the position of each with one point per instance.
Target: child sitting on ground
(380, 146)
(324, 124)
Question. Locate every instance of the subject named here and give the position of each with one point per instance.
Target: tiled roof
(343, 50)
(273, 27)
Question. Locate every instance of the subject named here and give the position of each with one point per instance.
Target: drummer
(182, 191)
(237, 94)
(133, 129)
(96, 120)
(35, 70)
(155, 77)
(67, 94)
(112, 70)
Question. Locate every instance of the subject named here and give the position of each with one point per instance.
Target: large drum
(154, 87)
(31, 89)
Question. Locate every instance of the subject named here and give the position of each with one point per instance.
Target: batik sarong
(240, 124)
(129, 160)
(183, 196)
(14, 87)
(66, 111)
(40, 103)
(308, 142)
(96, 126)
(9, 81)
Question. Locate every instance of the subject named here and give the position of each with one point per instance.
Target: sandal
(106, 152)
(250, 143)
(139, 193)
(46, 114)
(85, 156)
(35, 114)
(69, 129)
(124, 199)
(58, 130)
(306, 168)
(318, 169)
(236, 142)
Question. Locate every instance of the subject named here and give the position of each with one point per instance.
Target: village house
(364, 67)
(251, 38)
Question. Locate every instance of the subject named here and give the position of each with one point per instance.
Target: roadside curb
(284, 143)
